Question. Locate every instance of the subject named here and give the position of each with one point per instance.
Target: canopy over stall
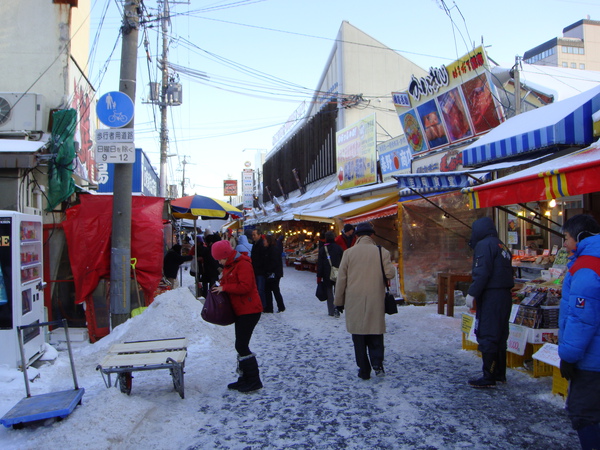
(348, 209)
(573, 174)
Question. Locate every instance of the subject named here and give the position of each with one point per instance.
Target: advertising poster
(432, 124)
(481, 105)
(394, 157)
(412, 131)
(451, 104)
(456, 120)
(247, 188)
(6, 273)
(357, 154)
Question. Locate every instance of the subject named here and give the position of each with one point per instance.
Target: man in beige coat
(360, 290)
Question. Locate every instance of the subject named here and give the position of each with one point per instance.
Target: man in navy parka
(579, 328)
(492, 281)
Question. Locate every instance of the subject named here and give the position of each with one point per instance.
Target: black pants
(493, 312)
(244, 326)
(368, 350)
(272, 289)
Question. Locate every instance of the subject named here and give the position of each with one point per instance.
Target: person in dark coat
(274, 273)
(259, 256)
(210, 266)
(490, 290)
(171, 262)
(347, 238)
(579, 328)
(239, 283)
(330, 254)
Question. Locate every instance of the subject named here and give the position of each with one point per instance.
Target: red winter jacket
(342, 241)
(239, 283)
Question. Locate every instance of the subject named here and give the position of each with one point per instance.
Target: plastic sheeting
(434, 240)
(88, 231)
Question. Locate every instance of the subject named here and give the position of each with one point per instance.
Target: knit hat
(364, 228)
(348, 227)
(221, 250)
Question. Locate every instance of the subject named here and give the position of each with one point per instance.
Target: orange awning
(384, 211)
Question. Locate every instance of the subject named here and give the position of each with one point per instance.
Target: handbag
(391, 307)
(321, 293)
(333, 273)
(217, 309)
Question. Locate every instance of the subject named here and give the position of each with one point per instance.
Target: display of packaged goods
(550, 316)
(562, 258)
(528, 317)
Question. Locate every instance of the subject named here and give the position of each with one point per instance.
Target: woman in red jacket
(239, 283)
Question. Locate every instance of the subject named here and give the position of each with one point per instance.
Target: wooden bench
(125, 358)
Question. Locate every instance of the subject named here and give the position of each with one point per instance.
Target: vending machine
(21, 286)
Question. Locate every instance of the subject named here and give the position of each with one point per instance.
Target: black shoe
(482, 382)
(281, 310)
(363, 376)
(379, 372)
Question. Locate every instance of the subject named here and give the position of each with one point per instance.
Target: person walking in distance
(347, 238)
(360, 291)
(274, 273)
(579, 328)
(330, 254)
(238, 282)
(490, 291)
(171, 262)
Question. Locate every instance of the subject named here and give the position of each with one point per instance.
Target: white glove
(469, 301)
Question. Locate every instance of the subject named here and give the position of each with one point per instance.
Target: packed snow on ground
(312, 397)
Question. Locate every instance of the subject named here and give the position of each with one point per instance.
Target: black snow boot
(500, 374)
(488, 380)
(250, 378)
(239, 382)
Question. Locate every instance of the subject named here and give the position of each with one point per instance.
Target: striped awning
(384, 211)
(573, 174)
(568, 122)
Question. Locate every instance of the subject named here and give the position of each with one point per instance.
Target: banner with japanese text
(357, 154)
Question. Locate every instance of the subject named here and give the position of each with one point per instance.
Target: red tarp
(573, 174)
(88, 231)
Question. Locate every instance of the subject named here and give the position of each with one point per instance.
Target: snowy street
(312, 397)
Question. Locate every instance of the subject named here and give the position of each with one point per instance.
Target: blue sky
(287, 43)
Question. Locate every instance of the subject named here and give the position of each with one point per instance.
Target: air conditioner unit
(20, 112)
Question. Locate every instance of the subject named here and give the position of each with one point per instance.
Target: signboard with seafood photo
(452, 104)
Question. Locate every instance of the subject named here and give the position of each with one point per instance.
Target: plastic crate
(513, 360)
(541, 369)
(560, 385)
(466, 344)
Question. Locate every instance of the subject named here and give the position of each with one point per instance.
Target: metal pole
(120, 258)
(164, 132)
(517, 79)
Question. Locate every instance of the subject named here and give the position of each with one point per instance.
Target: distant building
(578, 48)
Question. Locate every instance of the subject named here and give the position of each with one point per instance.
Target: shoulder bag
(391, 307)
(333, 273)
(217, 309)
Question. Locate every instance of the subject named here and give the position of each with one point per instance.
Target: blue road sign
(115, 109)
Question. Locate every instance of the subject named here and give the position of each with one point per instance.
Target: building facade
(578, 48)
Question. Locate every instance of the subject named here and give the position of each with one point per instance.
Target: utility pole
(517, 79)
(183, 178)
(164, 132)
(120, 257)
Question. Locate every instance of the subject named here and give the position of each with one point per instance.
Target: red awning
(573, 174)
(378, 213)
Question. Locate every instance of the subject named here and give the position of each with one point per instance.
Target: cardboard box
(542, 335)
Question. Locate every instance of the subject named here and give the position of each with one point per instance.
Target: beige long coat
(360, 289)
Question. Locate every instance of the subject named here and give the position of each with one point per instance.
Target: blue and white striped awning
(567, 122)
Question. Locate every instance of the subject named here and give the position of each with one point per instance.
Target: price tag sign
(121, 152)
(517, 339)
(548, 354)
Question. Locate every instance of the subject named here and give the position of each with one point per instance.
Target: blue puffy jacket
(579, 320)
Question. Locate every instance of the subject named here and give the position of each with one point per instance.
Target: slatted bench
(128, 357)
